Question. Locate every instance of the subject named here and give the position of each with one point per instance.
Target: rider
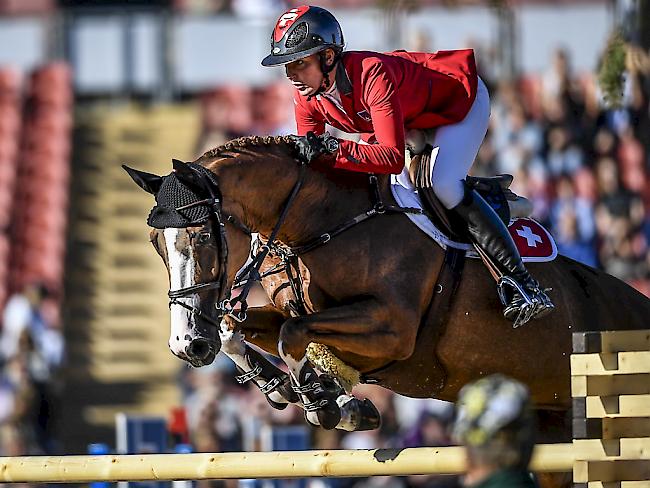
(380, 95)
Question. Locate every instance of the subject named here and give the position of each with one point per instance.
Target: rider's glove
(310, 146)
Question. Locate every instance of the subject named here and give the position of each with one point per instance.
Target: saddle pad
(534, 242)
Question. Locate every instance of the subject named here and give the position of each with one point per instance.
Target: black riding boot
(519, 292)
(268, 378)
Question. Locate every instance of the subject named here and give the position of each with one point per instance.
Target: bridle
(215, 215)
(250, 273)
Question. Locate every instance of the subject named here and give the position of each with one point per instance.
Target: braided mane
(236, 146)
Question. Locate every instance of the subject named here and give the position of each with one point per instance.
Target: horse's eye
(203, 237)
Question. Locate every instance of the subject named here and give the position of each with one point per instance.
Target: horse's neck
(258, 190)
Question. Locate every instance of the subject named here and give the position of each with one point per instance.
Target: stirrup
(523, 304)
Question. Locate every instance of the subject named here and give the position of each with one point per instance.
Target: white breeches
(455, 147)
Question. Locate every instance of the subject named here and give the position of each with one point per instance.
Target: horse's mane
(236, 146)
(283, 145)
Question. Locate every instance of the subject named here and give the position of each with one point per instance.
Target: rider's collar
(342, 80)
(331, 90)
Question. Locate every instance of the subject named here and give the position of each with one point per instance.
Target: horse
(372, 283)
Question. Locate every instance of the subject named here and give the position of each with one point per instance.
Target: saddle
(495, 190)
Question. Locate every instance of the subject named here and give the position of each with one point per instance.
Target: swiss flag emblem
(286, 20)
(533, 241)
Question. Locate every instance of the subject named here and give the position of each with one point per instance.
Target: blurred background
(88, 85)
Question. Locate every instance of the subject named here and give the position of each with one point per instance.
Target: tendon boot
(520, 293)
(271, 380)
(319, 394)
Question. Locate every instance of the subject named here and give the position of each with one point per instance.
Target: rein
(289, 255)
(378, 208)
(250, 274)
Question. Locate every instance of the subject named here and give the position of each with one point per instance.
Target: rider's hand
(310, 146)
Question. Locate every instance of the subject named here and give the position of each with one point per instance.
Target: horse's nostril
(199, 349)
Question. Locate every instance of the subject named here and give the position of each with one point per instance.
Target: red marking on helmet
(286, 20)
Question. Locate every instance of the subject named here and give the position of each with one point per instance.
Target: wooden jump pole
(611, 388)
(288, 464)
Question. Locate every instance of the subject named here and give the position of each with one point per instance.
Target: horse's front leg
(253, 366)
(367, 327)
(363, 328)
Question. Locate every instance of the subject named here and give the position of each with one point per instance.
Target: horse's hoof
(357, 415)
(329, 415)
(369, 416)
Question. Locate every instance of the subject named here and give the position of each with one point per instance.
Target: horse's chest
(289, 290)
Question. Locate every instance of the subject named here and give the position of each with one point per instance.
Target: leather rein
(250, 273)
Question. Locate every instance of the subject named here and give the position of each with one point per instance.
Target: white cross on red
(531, 238)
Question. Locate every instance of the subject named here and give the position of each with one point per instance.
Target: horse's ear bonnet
(174, 194)
(147, 181)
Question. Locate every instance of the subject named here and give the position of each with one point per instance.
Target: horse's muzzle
(201, 352)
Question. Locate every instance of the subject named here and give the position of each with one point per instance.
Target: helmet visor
(282, 59)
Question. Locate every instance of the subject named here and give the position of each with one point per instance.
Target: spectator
(496, 425)
(563, 155)
(569, 241)
(516, 140)
(580, 211)
(432, 430)
(604, 144)
(32, 352)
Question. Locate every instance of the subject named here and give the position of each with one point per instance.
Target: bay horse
(372, 290)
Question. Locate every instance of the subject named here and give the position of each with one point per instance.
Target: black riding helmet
(301, 32)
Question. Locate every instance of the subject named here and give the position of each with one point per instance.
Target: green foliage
(612, 68)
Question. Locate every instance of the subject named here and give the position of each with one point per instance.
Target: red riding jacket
(383, 93)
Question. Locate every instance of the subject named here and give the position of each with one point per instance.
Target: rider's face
(305, 74)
